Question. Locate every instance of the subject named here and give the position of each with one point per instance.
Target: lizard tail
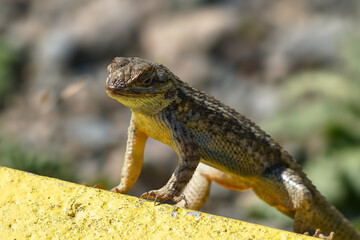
(328, 219)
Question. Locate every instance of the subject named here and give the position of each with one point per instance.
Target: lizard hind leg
(198, 189)
(196, 192)
(284, 189)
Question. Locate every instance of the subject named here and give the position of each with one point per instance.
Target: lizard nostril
(110, 87)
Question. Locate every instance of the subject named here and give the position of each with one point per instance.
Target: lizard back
(227, 138)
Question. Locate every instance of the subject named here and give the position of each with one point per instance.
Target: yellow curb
(36, 207)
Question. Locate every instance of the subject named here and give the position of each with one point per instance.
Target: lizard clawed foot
(98, 186)
(162, 195)
(318, 234)
(116, 190)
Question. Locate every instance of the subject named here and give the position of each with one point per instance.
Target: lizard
(214, 143)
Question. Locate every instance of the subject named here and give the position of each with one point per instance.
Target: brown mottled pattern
(234, 151)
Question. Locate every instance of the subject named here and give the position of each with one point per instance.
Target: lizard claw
(318, 234)
(331, 235)
(98, 186)
(116, 190)
(162, 195)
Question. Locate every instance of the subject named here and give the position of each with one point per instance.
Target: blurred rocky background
(291, 66)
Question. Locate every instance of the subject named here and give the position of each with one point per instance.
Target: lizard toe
(116, 190)
(320, 235)
(162, 195)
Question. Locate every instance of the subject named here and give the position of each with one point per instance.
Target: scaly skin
(233, 151)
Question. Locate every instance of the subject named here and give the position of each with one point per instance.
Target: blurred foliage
(321, 110)
(103, 181)
(14, 156)
(8, 59)
(352, 56)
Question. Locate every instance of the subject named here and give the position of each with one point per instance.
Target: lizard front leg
(134, 157)
(189, 158)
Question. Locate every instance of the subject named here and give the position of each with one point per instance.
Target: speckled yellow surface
(36, 207)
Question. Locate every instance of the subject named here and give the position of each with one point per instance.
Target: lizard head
(141, 85)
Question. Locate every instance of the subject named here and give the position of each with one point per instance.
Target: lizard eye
(147, 79)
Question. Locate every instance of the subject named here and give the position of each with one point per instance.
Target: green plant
(14, 156)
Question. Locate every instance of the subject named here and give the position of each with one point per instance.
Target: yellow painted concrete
(36, 207)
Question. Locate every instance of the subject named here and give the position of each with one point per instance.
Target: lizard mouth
(127, 92)
(115, 90)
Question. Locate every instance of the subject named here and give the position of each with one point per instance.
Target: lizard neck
(154, 104)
